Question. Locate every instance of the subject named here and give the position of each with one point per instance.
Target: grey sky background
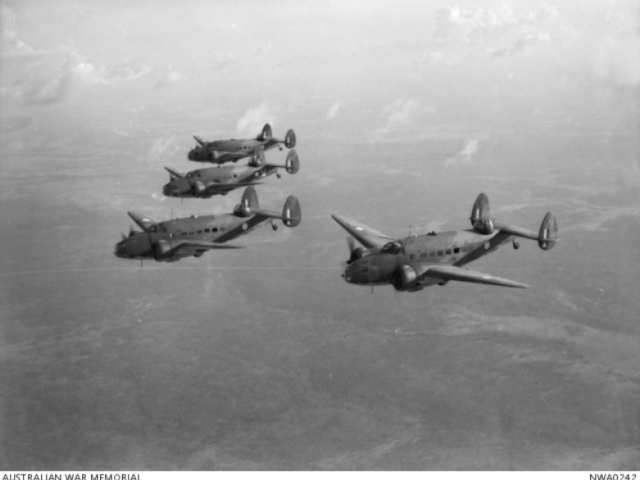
(265, 358)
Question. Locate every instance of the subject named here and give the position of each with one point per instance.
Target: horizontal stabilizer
(142, 221)
(200, 141)
(367, 236)
(516, 231)
(450, 272)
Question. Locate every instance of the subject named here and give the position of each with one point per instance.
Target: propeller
(351, 244)
(123, 236)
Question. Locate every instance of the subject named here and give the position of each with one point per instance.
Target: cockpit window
(392, 248)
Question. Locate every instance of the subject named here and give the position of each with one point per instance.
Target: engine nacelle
(197, 188)
(404, 278)
(258, 159)
(484, 226)
(163, 250)
(357, 254)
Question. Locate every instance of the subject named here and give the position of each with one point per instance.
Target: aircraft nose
(349, 274)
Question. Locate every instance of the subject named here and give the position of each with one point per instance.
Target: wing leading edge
(459, 274)
(367, 236)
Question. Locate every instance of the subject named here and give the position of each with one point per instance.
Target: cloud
(617, 58)
(253, 120)
(465, 155)
(163, 147)
(333, 111)
(525, 44)
(47, 83)
(400, 113)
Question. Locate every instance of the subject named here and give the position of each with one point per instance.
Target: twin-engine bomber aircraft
(415, 262)
(185, 237)
(222, 151)
(206, 182)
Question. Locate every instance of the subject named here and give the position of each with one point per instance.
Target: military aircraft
(172, 240)
(206, 182)
(222, 151)
(418, 261)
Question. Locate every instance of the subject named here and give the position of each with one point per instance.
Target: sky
(264, 358)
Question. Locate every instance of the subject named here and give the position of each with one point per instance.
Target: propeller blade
(351, 244)
(124, 237)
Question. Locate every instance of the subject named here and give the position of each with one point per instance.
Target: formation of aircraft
(415, 262)
(171, 240)
(409, 264)
(206, 182)
(222, 151)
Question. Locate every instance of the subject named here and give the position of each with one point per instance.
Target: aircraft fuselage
(210, 228)
(454, 248)
(183, 187)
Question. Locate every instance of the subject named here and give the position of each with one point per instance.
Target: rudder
(250, 198)
(548, 232)
(292, 162)
(290, 139)
(480, 208)
(291, 213)
(266, 132)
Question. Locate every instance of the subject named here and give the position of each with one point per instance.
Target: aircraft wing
(368, 237)
(174, 173)
(226, 187)
(459, 274)
(142, 221)
(204, 245)
(229, 156)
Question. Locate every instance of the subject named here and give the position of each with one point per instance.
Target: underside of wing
(224, 187)
(204, 245)
(143, 221)
(450, 272)
(231, 156)
(368, 237)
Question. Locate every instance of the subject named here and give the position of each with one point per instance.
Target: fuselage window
(448, 252)
(206, 230)
(456, 250)
(423, 255)
(183, 233)
(411, 256)
(199, 231)
(214, 230)
(440, 253)
(432, 254)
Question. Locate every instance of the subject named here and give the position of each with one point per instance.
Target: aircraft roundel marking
(487, 245)
(244, 226)
(257, 174)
